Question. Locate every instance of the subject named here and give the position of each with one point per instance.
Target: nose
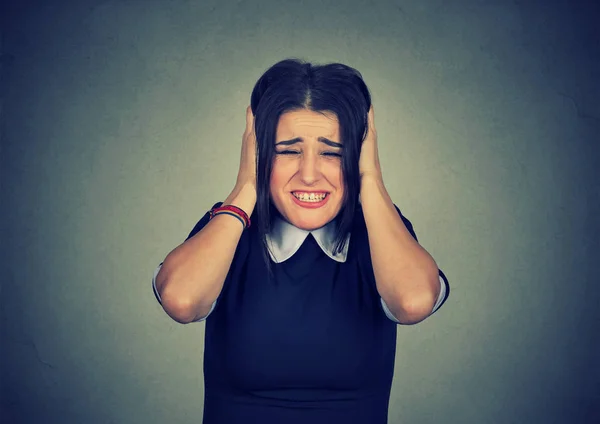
(309, 169)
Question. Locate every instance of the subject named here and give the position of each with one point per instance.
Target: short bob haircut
(293, 84)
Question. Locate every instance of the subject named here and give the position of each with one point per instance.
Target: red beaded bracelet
(230, 209)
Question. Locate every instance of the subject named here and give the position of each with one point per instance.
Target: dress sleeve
(199, 225)
(444, 286)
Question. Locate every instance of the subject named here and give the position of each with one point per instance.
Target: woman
(302, 284)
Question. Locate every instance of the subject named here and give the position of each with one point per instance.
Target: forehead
(307, 124)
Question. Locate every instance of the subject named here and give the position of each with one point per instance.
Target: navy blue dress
(312, 345)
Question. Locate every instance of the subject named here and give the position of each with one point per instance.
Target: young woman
(303, 272)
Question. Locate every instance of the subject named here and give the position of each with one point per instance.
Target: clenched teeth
(310, 197)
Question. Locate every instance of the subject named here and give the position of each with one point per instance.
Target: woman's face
(306, 181)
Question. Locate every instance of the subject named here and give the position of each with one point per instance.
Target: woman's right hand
(192, 275)
(247, 171)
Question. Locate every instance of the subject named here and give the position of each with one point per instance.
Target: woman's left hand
(368, 164)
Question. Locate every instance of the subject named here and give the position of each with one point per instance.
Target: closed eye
(295, 152)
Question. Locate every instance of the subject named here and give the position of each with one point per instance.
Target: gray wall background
(121, 126)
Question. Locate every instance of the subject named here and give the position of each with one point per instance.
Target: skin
(406, 275)
(192, 275)
(307, 165)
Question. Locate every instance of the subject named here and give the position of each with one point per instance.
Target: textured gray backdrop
(121, 126)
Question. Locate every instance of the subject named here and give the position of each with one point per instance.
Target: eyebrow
(300, 140)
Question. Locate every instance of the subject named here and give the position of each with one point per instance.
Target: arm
(192, 275)
(406, 276)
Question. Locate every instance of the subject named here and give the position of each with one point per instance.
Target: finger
(371, 115)
(249, 119)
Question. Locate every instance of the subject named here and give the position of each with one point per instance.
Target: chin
(309, 224)
(309, 219)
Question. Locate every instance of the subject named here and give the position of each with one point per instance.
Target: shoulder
(244, 242)
(202, 222)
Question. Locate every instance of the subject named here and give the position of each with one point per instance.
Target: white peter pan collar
(285, 239)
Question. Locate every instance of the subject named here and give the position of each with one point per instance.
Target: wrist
(372, 190)
(244, 197)
(371, 179)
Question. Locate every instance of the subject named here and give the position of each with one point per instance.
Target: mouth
(310, 199)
